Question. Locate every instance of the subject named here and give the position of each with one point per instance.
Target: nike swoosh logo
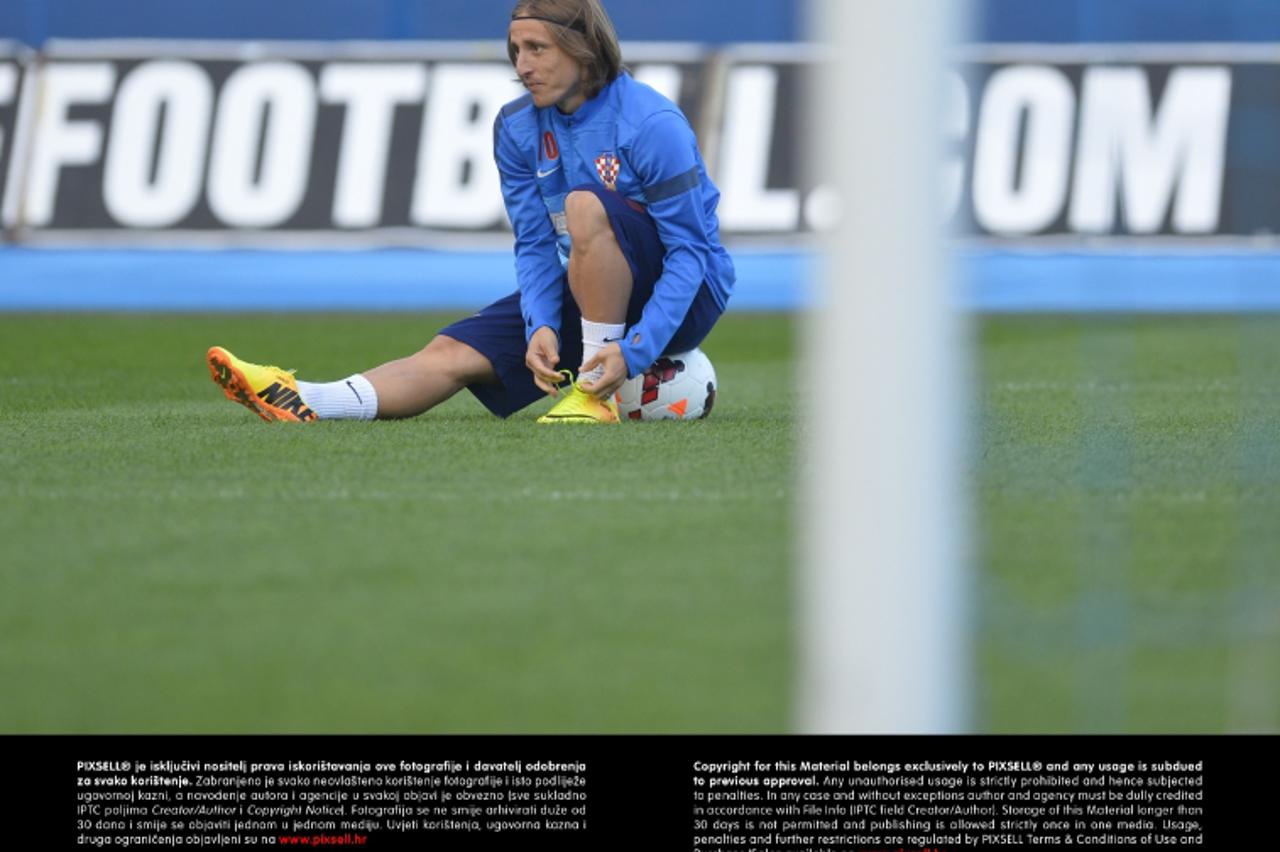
(543, 174)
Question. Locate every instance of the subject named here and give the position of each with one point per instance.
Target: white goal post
(882, 597)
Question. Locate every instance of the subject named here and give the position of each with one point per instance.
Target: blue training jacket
(636, 139)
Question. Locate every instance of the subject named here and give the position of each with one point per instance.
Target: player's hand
(541, 358)
(615, 371)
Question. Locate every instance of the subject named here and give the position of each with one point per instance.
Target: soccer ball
(676, 387)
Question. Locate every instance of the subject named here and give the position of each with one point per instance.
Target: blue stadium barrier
(391, 280)
(1202, 281)
(706, 21)
(1130, 20)
(989, 280)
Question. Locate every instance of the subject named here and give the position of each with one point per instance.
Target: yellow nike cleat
(578, 406)
(269, 392)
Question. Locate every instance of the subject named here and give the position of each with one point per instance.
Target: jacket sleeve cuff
(533, 323)
(636, 355)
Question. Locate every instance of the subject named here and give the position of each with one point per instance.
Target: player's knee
(454, 359)
(585, 215)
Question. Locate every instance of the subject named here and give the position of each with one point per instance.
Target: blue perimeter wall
(991, 280)
(714, 21)
(709, 21)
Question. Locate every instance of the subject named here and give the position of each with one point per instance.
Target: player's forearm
(673, 294)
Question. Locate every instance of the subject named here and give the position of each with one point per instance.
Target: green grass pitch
(1127, 473)
(170, 563)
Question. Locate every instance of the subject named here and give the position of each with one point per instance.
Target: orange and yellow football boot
(269, 392)
(578, 406)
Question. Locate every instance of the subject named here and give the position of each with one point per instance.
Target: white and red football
(675, 387)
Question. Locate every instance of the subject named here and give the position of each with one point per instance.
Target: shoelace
(568, 380)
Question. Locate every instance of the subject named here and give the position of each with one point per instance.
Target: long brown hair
(582, 29)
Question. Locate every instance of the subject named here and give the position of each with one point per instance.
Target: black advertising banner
(1109, 149)
(143, 142)
(151, 139)
(698, 793)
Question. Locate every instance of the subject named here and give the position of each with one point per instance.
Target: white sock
(352, 398)
(594, 336)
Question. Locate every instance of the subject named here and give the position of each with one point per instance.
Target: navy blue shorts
(497, 331)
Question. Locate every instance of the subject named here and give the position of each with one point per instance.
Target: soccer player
(617, 249)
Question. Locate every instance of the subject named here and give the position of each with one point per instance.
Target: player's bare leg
(409, 386)
(600, 281)
(401, 388)
(599, 275)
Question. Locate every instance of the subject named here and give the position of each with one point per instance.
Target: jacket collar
(590, 107)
